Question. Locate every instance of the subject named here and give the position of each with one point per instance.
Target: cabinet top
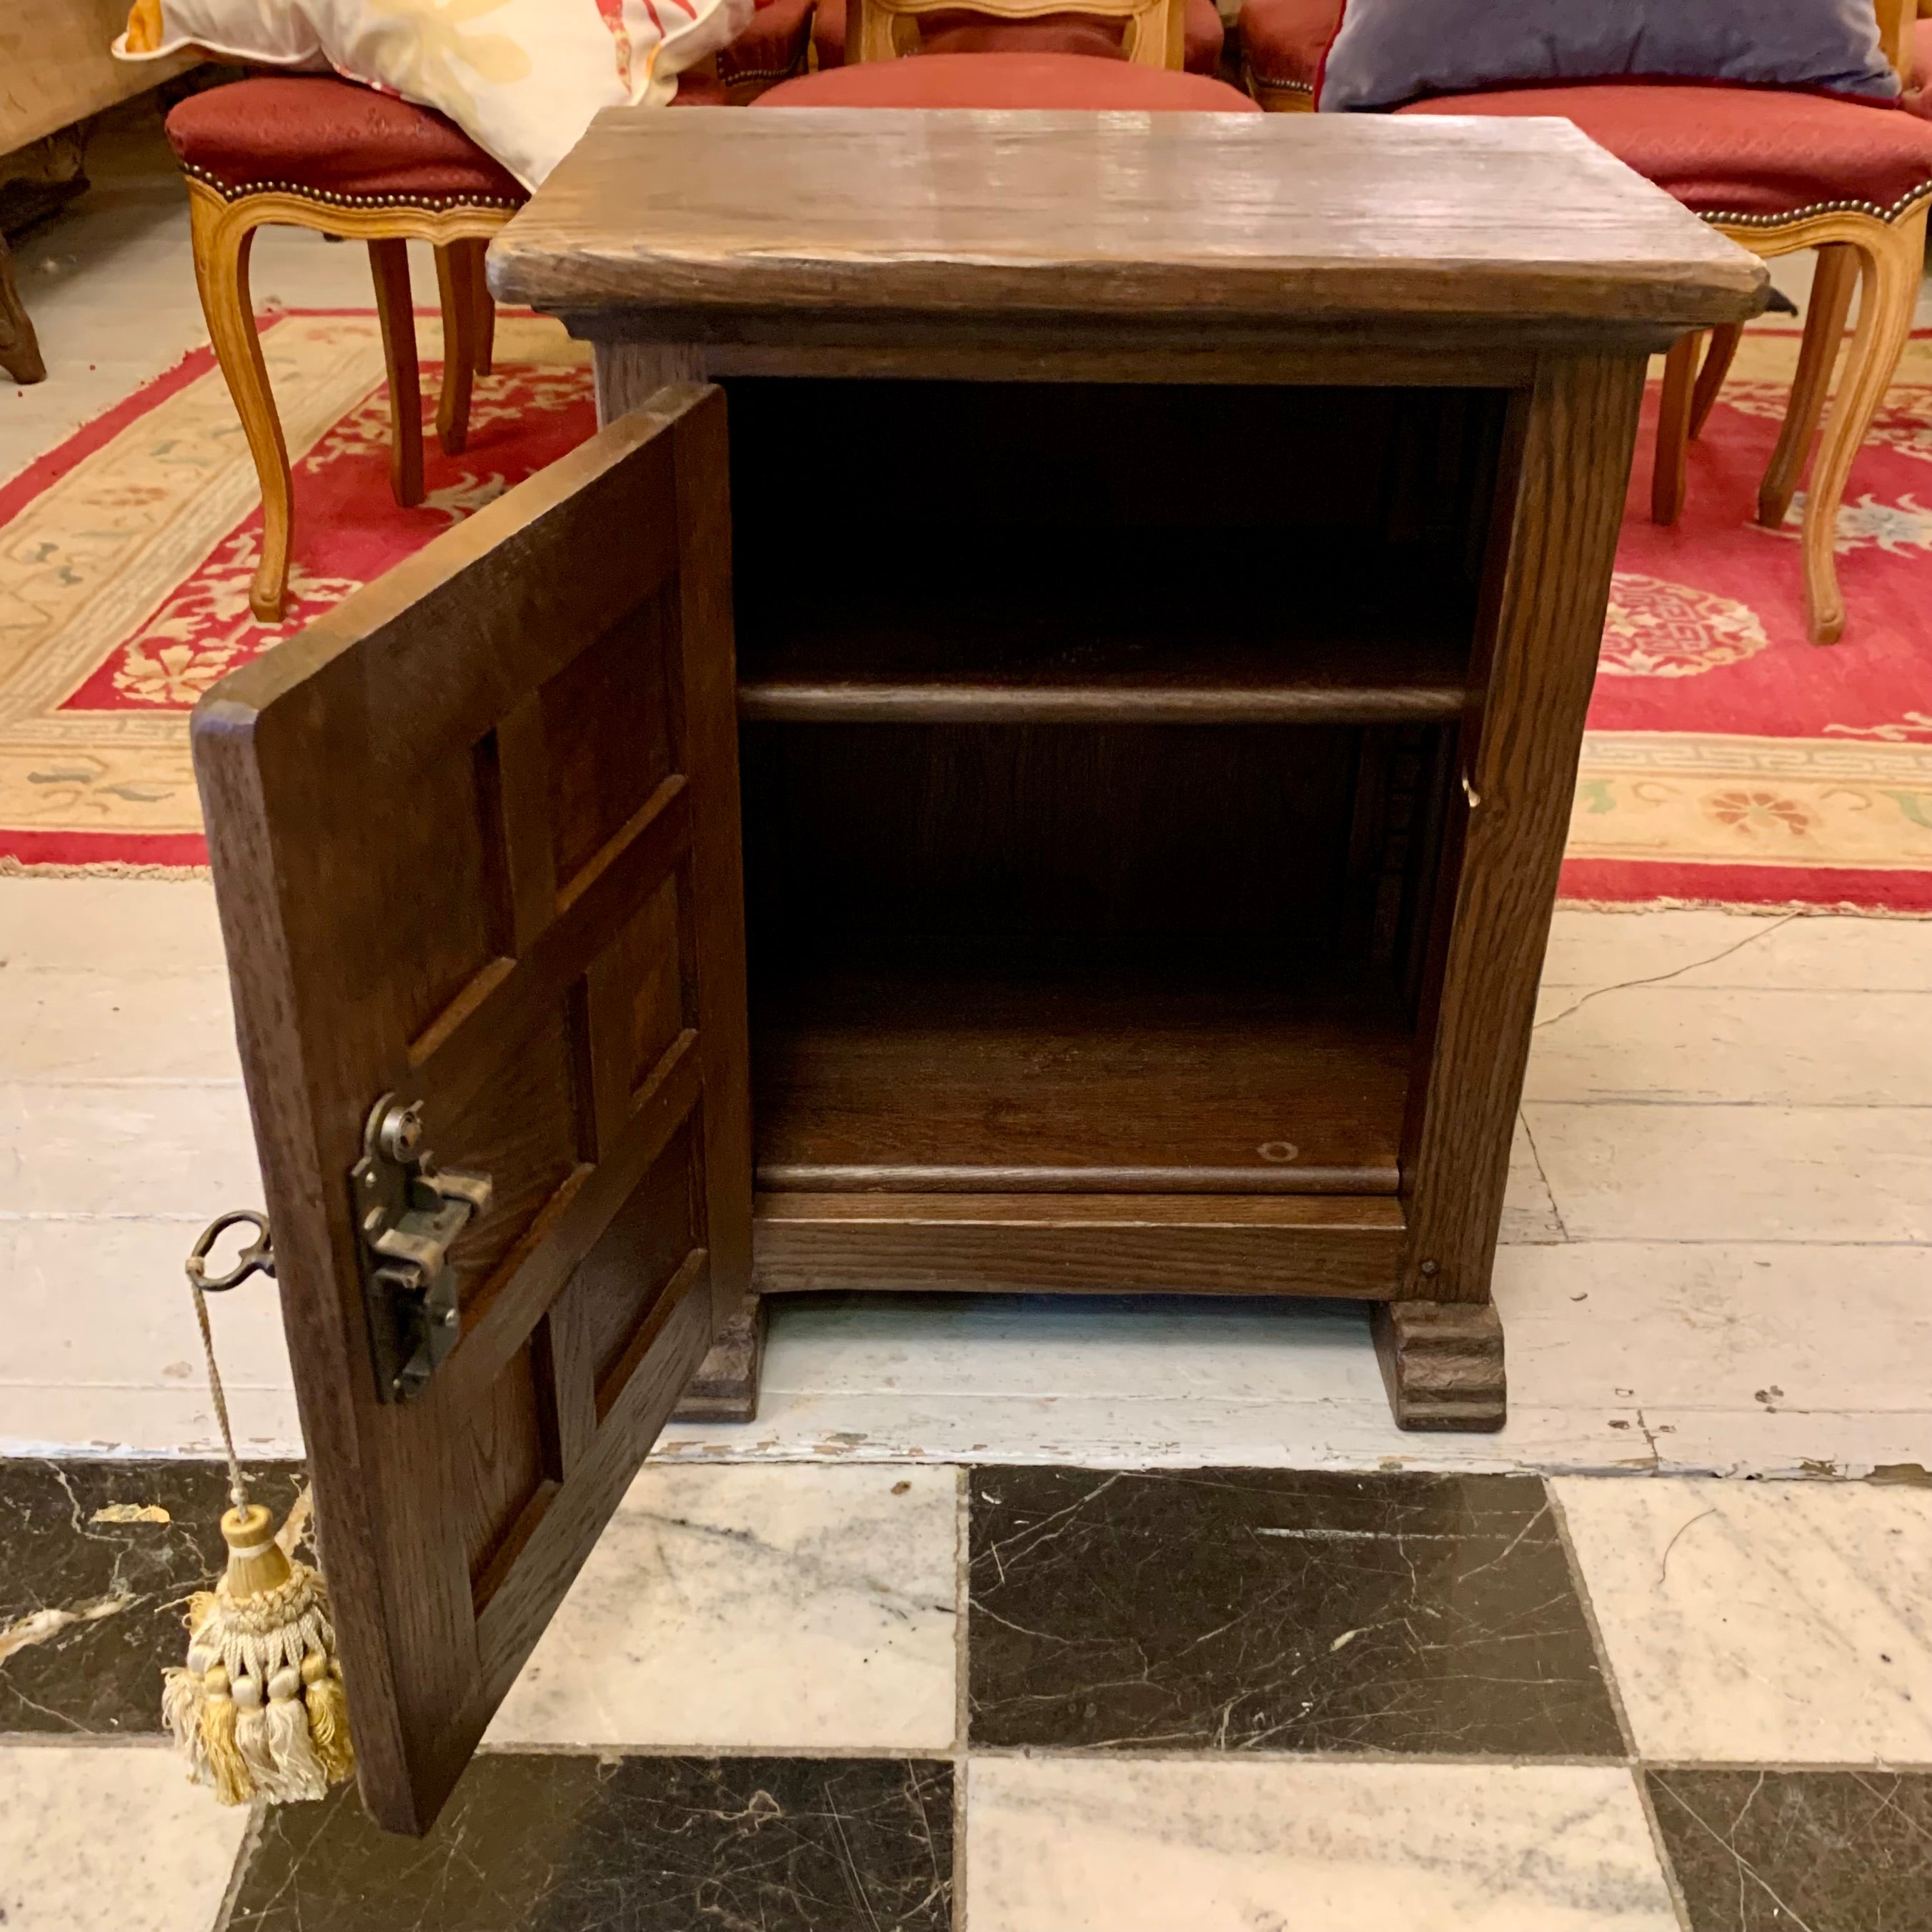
(688, 225)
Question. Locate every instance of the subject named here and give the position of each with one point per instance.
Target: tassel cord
(238, 1489)
(259, 1255)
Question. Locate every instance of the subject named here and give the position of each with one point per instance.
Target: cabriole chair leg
(221, 238)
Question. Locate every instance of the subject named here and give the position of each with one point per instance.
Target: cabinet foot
(1443, 1363)
(725, 1388)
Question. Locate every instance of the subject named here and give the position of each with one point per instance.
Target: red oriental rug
(125, 557)
(1730, 762)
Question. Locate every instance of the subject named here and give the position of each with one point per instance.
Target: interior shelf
(1036, 640)
(1106, 1066)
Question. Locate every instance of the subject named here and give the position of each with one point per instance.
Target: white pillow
(522, 78)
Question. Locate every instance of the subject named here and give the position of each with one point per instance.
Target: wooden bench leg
(1673, 429)
(389, 264)
(19, 348)
(1832, 283)
(455, 283)
(725, 1388)
(1891, 263)
(1442, 1362)
(1717, 360)
(221, 238)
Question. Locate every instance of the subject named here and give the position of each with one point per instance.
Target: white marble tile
(1630, 1172)
(116, 1027)
(805, 1608)
(155, 1150)
(1733, 1044)
(1075, 1845)
(109, 1839)
(1763, 1622)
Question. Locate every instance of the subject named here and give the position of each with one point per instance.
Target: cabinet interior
(1096, 745)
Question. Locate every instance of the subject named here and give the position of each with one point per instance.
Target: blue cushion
(1390, 51)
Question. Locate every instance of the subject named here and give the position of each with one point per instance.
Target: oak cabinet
(1032, 753)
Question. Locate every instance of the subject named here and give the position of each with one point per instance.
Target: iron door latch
(409, 1212)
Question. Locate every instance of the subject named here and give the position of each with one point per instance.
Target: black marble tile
(555, 1843)
(1799, 1851)
(1278, 1610)
(97, 1561)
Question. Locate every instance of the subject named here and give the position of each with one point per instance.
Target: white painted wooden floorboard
(1734, 1286)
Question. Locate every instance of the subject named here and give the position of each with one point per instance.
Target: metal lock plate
(409, 1212)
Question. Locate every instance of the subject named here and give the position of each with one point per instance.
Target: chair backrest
(1153, 33)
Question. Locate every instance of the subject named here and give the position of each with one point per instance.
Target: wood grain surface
(476, 842)
(1080, 1244)
(677, 226)
(1551, 554)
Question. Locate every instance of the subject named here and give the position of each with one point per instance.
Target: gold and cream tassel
(258, 1711)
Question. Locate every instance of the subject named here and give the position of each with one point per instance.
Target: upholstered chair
(964, 29)
(1777, 170)
(1140, 66)
(311, 151)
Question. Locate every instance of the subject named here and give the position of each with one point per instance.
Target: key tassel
(259, 1711)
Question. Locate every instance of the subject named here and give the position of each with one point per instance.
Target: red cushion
(966, 33)
(1283, 42)
(1751, 150)
(771, 49)
(1007, 80)
(331, 137)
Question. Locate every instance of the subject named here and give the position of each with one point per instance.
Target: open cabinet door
(475, 837)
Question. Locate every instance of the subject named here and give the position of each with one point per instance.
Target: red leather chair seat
(772, 48)
(1007, 80)
(1748, 151)
(1282, 41)
(1050, 33)
(332, 138)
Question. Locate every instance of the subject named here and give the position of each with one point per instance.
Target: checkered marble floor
(1039, 1699)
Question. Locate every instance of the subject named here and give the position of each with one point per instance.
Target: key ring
(257, 1258)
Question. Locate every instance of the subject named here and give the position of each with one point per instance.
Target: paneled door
(475, 837)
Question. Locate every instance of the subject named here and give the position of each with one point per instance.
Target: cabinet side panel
(1562, 487)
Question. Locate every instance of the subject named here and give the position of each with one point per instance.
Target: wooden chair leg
(1831, 285)
(389, 264)
(1717, 360)
(458, 297)
(1673, 429)
(19, 348)
(1889, 274)
(486, 309)
(220, 245)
